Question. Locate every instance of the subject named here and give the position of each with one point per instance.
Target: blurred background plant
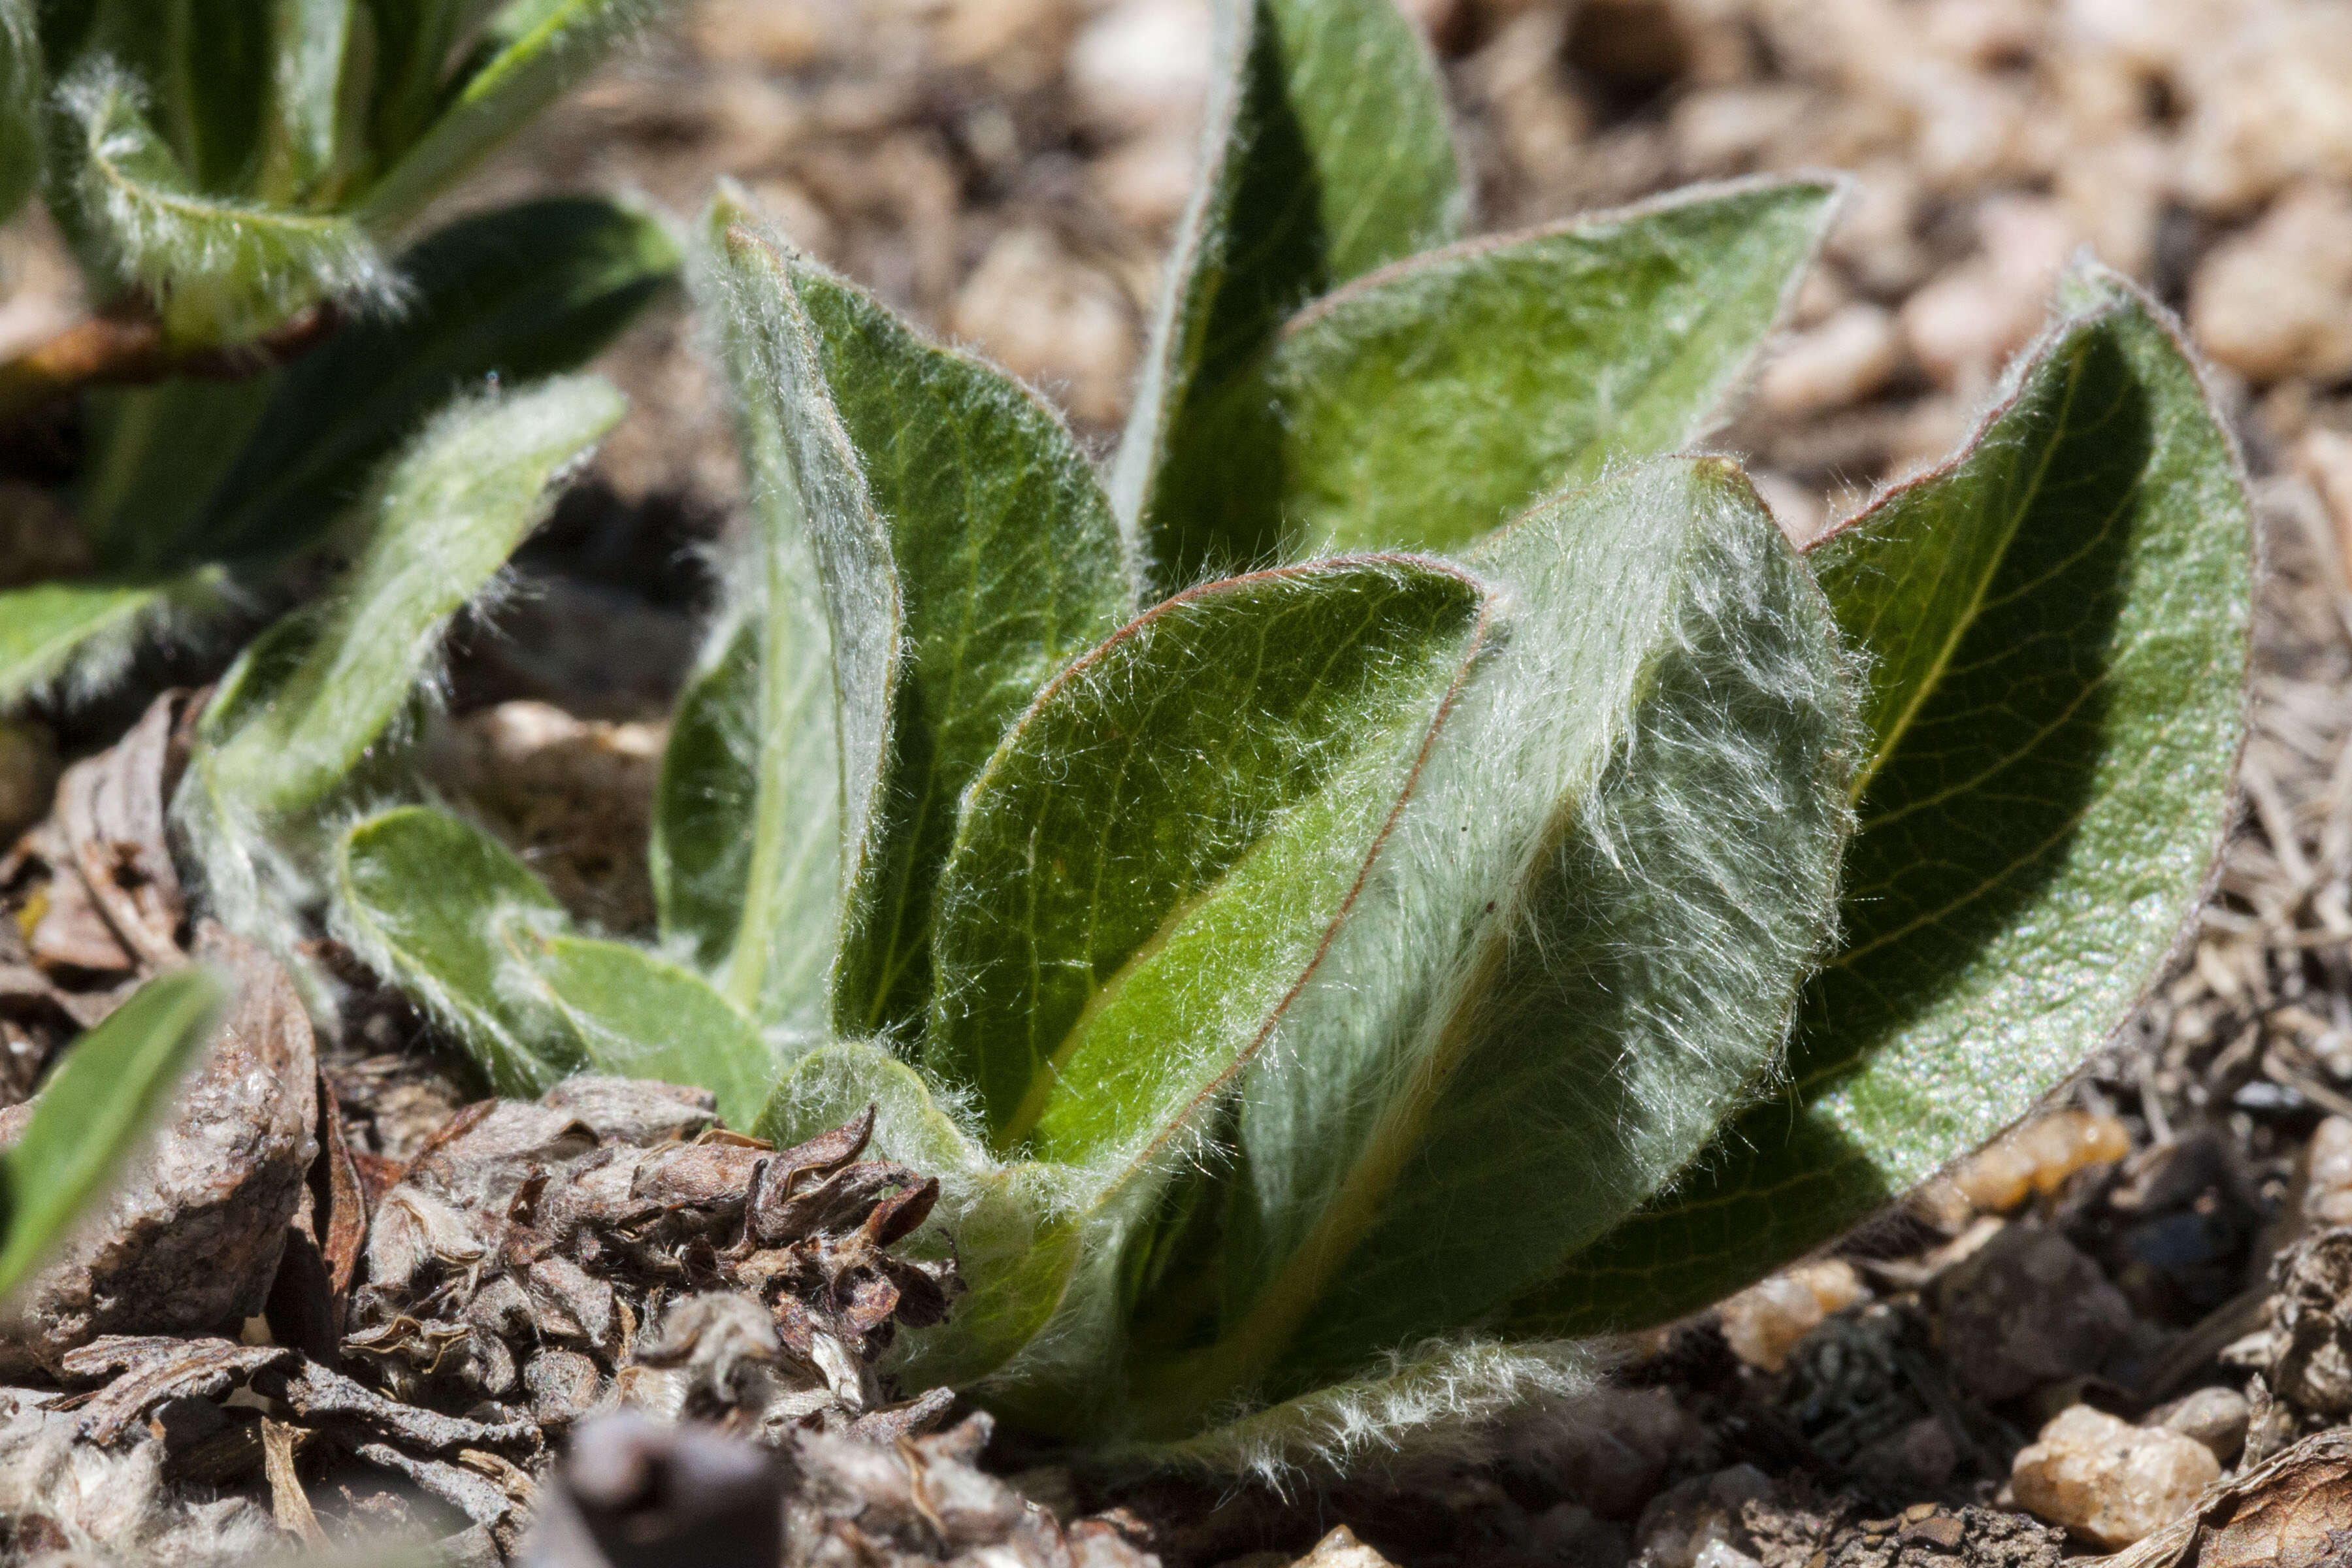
(236, 184)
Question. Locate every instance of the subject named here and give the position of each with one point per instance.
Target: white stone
(1764, 1323)
(2276, 300)
(2109, 1480)
(1141, 62)
(1844, 360)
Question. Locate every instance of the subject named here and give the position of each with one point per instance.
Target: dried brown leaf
(192, 1234)
(356, 1414)
(288, 1504)
(143, 1371)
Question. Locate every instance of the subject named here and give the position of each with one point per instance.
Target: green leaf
(216, 85)
(2056, 629)
(220, 270)
(78, 632)
(553, 45)
(413, 42)
(313, 83)
(746, 799)
(1420, 408)
(1157, 854)
(91, 1115)
(24, 86)
(1009, 1226)
(1328, 155)
(1582, 939)
(526, 291)
(465, 493)
(949, 511)
(151, 453)
(637, 1015)
(204, 65)
(749, 833)
(445, 911)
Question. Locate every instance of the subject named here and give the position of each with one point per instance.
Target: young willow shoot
(1410, 869)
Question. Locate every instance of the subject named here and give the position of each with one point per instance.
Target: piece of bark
(192, 1235)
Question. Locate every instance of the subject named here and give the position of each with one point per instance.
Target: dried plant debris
(634, 1494)
(609, 1248)
(611, 1242)
(191, 1239)
(93, 897)
(2293, 1510)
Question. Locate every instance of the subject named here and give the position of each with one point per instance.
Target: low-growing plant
(230, 180)
(1409, 872)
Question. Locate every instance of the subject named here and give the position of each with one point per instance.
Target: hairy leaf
(637, 1015)
(1008, 565)
(1422, 406)
(92, 1114)
(1326, 154)
(528, 290)
(748, 827)
(24, 84)
(946, 505)
(1582, 938)
(204, 63)
(449, 915)
(221, 269)
(518, 293)
(2056, 628)
(550, 45)
(73, 631)
(465, 493)
(1157, 855)
(1014, 1246)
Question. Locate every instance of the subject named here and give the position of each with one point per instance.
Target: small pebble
(1764, 1323)
(1341, 1549)
(2038, 1158)
(1683, 1521)
(2109, 1480)
(1049, 318)
(2216, 1417)
(2029, 1308)
(2327, 1188)
(2276, 299)
(1835, 366)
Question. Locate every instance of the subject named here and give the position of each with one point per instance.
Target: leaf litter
(262, 1309)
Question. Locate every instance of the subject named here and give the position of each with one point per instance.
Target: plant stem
(123, 346)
